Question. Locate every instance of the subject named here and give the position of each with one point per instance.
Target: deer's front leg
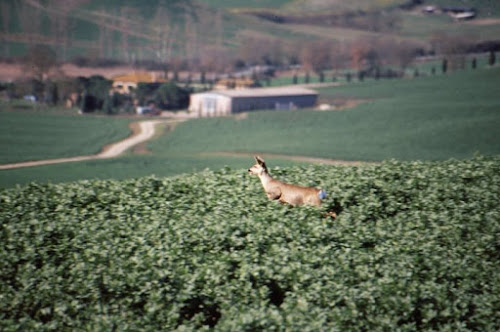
(274, 193)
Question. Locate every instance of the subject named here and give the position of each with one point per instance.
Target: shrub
(172, 97)
(415, 246)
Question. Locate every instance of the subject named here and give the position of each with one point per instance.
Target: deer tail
(322, 194)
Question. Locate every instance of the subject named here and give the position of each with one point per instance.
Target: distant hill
(196, 31)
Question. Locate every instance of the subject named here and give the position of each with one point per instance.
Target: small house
(218, 103)
(460, 13)
(429, 9)
(125, 84)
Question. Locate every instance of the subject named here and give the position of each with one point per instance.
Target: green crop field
(415, 246)
(233, 4)
(26, 136)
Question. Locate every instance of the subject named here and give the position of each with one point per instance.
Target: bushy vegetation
(167, 96)
(414, 246)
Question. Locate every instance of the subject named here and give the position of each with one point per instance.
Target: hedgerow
(415, 246)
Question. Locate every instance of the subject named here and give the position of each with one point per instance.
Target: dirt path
(485, 21)
(145, 131)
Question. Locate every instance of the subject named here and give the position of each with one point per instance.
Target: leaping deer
(284, 192)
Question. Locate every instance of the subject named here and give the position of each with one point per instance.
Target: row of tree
(377, 72)
(94, 94)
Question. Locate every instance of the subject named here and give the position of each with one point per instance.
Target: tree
(108, 106)
(40, 61)
(51, 93)
(340, 57)
(444, 66)
(30, 19)
(172, 97)
(359, 50)
(87, 103)
(145, 92)
(6, 17)
(60, 23)
(165, 34)
(191, 41)
(316, 56)
(105, 42)
(96, 90)
(126, 26)
(348, 77)
(492, 58)
(403, 53)
(452, 47)
(252, 51)
(216, 59)
(365, 57)
(116, 103)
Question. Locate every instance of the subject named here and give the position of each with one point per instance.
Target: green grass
(431, 118)
(304, 6)
(233, 4)
(28, 135)
(423, 27)
(301, 6)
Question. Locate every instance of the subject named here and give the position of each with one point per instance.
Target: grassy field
(485, 8)
(27, 135)
(234, 4)
(421, 27)
(299, 6)
(430, 118)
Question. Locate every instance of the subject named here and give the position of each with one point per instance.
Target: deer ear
(259, 160)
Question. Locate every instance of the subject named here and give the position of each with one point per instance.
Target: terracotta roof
(138, 77)
(235, 80)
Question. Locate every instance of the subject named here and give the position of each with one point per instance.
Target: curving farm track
(146, 131)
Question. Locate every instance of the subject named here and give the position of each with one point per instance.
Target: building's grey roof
(264, 92)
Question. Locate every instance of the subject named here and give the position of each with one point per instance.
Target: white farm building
(217, 103)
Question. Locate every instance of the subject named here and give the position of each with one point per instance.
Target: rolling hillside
(156, 30)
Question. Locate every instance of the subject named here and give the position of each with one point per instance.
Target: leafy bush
(170, 96)
(414, 246)
(96, 91)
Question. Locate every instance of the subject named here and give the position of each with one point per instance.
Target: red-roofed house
(127, 83)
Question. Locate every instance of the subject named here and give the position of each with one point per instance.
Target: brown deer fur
(284, 192)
